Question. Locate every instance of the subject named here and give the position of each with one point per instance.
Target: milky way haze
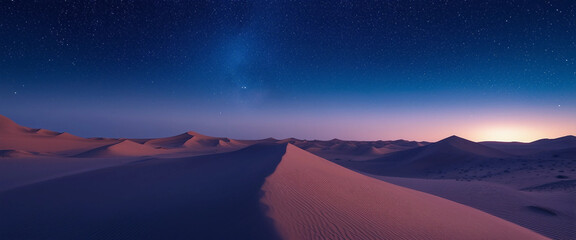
(422, 70)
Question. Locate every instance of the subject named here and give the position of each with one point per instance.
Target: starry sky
(247, 69)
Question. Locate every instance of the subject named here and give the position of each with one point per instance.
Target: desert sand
(312, 198)
(551, 213)
(536, 190)
(59, 186)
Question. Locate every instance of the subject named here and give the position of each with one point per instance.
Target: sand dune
(46, 132)
(194, 140)
(33, 155)
(489, 180)
(124, 148)
(59, 144)
(535, 147)
(312, 198)
(171, 142)
(8, 126)
(306, 197)
(340, 150)
(206, 197)
(561, 186)
(445, 154)
(15, 154)
(60, 186)
(25, 169)
(565, 153)
(547, 210)
(556, 143)
(16, 137)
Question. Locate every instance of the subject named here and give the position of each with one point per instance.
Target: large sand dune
(56, 185)
(535, 147)
(312, 198)
(445, 154)
(534, 191)
(340, 150)
(544, 210)
(40, 141)
(220, 197)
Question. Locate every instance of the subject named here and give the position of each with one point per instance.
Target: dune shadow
(541, 210)
(205, 197)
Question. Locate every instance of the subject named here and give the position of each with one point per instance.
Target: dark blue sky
(422, 70)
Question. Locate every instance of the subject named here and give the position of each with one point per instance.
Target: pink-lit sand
(312, 198)
(60, 186)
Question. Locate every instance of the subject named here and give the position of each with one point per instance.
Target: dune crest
(445, 154)
(123, 148)
(9, 126)
(194, 140)
(312, 198)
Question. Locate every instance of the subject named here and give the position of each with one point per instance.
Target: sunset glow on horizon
(306, 69)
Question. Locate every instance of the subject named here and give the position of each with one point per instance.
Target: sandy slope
(448, 153)
(194, 140)
(340, 150)
(21, 171)
(312, 198)
(32, 155)
(122, 149)
(16, 137)
(535, 147)
(206, 197)
(155, 188)
(552, 213)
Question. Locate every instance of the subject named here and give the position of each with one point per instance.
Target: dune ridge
(193, 140)
(205, 197)
(123, 148)
(312, 198)
(38, 157)
(445, 154)
(534, 147)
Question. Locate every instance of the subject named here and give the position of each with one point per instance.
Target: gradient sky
(358, 70)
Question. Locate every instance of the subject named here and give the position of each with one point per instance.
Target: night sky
(357, 70)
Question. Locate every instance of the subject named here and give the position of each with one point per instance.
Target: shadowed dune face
(536, 147)
(339, 150)
(14, 154)
(157, 189)
(446, 154)
(266, 191)
(207, 197)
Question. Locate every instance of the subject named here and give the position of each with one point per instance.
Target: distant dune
(535, 147)
(16, 137)
(55, 185)
(193, 140)
(123, 148)
(447, 153)
(341, 150)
